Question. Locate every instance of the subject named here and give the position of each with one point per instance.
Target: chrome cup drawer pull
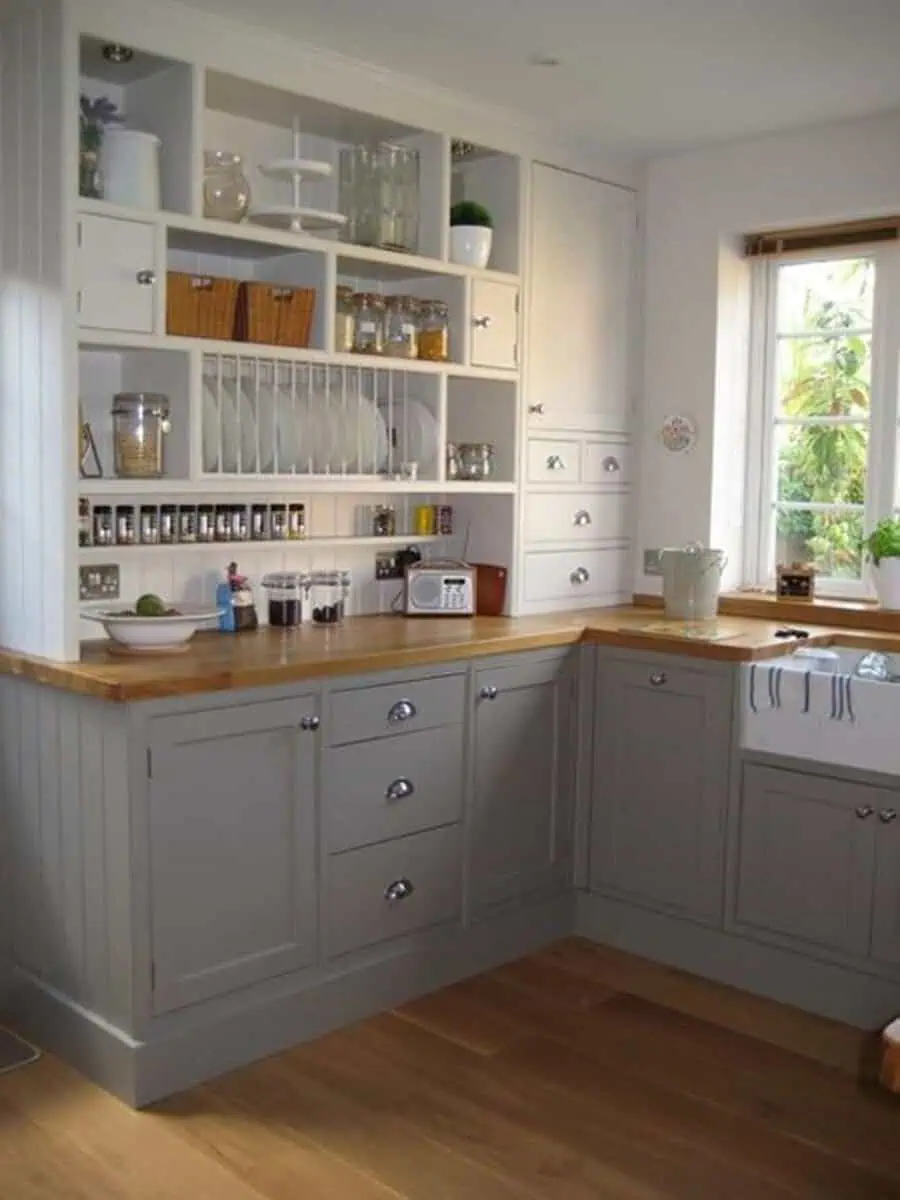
(555, 463)
(887, 815)
(399, 789)
(489, 692)
(658, 678)
(610, 465)
(403, 710)
(864, 812)
(582, 517)
(309, 724)
(580, 575)
(398, 890)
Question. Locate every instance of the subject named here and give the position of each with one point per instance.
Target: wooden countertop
(218, 662)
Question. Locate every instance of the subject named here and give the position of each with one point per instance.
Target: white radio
(439, 589)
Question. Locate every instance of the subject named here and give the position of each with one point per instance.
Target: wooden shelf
(275, 485)
(96, 554)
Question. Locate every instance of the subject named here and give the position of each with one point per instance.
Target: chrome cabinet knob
(537, 410)
(658, 678)
(398, 890)
(488, 693)
(887, 815)
(555, 463)
(399, 789)
(580, 575)
(610, 465)
(482, 322)
(403, 710)
(146, 278)
(310, 724)
(582, 517)
(864, 812)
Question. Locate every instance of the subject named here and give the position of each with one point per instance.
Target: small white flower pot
(887, 582)
(470, 245)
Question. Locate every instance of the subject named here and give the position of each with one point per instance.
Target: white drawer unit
(495, 324)
(117, 274)
(552, 460)
(606, 463)
(576, 577)
(575, 517)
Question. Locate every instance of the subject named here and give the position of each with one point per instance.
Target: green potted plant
(471, 234)
(883, 549)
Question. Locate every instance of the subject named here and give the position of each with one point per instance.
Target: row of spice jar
(395, 326)
(170, 524)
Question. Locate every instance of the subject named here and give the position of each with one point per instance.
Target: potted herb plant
(883, 548)
(471, 234)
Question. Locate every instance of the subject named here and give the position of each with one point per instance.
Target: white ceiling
(640, 75)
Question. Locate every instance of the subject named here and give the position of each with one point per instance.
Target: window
(823, 417)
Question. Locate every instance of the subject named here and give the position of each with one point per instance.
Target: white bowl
(152, 633)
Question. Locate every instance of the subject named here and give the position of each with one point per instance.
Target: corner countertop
(219, 662)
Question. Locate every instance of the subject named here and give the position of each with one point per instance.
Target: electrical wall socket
(98, 582)
(387, 567)
(652, 564)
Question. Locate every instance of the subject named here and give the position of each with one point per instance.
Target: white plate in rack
(297, 168)
(220, 410)
(257, 412)
(296, 219)
(420, 445)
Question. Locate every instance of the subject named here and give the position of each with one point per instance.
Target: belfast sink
(807, 708)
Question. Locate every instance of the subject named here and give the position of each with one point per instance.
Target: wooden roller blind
(821, 237)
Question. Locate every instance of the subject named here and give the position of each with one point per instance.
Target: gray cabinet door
(232, 849)
(661, 772)
(805, 857)
(523, 750)
(886, 918)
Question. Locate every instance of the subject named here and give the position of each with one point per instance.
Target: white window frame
(881, 492)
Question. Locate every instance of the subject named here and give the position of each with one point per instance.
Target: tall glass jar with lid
(434, 331)
(344, 320)
(368, 323)
(400, 327)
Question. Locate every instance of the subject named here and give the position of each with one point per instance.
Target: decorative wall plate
(678, 433)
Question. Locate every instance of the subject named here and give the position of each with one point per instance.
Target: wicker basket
(200, 305)
(275, 315)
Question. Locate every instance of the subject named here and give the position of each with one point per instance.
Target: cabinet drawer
(554, 461)
(425, 873)
(384, 709)
(581, 575)
(606, 462)
(116, 274)
(576, 517)
(379, 790)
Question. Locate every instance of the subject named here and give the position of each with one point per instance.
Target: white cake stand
(296, 216)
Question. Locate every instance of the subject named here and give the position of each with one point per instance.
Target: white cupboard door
(117, 275)
(495, 324)
(577, 351)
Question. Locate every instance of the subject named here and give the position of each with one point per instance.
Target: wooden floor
(575, 1074)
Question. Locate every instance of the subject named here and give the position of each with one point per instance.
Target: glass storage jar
(476, 460)
(369, 323)
(434, 331)
(285, 592)
(226, 191)
(344, 321)
(328, 592)
(140, 423)
(378, 192)
(400, 328)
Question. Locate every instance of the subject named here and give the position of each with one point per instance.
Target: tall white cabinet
(577, 471)
(539, 340)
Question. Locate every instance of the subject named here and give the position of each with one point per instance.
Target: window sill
(845, 614)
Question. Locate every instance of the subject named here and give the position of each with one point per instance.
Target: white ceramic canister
(129, 161)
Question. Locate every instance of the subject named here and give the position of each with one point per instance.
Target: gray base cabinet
(886, 915)
(806, 856)
(662, 748)
(523, 778)
(232, 848)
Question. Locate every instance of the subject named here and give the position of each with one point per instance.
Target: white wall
(697, 205)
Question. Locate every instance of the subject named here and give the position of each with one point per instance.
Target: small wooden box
(795, 581)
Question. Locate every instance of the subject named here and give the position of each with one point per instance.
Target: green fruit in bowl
(150, 605)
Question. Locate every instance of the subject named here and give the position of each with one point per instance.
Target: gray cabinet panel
(384, 709)
(425, 871)
(523, 767)
(373, 791)
(805, 859)
(661, 773)
(886, 917)
(232, 849)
